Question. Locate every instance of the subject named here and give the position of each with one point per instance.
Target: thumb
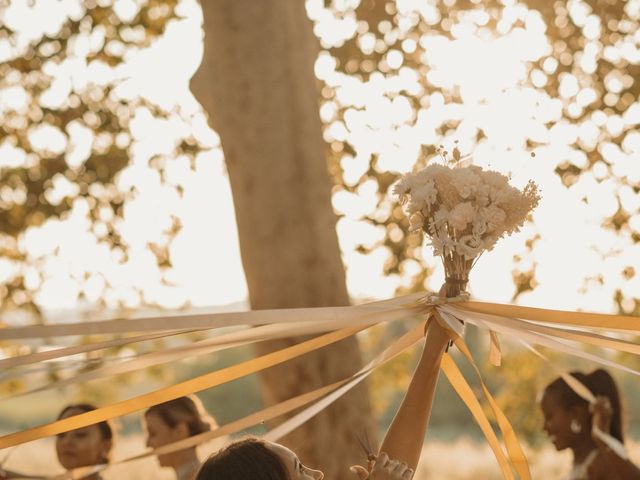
(360, 471)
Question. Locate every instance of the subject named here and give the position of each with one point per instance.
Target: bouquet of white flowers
(464, 210)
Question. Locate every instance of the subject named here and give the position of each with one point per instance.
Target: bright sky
(489, 69)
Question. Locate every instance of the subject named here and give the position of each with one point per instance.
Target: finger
(408, 474)
(400, 468)
(381, 461)
(360, 471)
(391, 465)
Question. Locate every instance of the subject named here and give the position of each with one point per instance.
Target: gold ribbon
(178, 390)
(357, 317)
(464, 391)
(520, 329)
(215, 344)
(563, 317)
(397, 347)
(495, 352)
(514, 449)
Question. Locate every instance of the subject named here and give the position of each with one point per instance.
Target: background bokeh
(114, 199)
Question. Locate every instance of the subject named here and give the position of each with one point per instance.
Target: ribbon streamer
(464, 391)
(178, 390)
(365, 313)
(552, 328)
(397, 347)
(216, 344)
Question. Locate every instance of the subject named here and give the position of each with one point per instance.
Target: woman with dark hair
(176, 420)
(85, 446)
(399, 454)
(593, 432)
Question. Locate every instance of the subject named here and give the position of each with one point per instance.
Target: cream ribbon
(365, 313)
(540, 326)
(178, 390)
(330, 392)
(216, 344)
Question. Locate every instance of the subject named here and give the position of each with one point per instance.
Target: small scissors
(366, 446)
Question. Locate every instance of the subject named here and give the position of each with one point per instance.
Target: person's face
(295, 469)
(82, 447)
(159, 434)
(557, 422)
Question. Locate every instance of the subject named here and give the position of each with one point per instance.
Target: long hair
(600, 383)
(186, 409)
(241, 460)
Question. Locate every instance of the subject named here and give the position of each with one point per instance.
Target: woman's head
(567, 415)
(85, 446)
(173, 421)
(258, 460)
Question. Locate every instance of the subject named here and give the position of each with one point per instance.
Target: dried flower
(464, 210)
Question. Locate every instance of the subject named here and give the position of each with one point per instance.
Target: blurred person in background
(87, 446)
(397, 459)
(588, 430)
(176, 420)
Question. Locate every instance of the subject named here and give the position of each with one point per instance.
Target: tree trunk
(257, 82)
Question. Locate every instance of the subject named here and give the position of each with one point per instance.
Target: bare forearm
(405, 436)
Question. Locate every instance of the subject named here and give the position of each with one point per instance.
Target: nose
(316, 474)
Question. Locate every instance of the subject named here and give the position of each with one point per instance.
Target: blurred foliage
(595, 47)
(593, 50)
(592, 44)
(43, 182)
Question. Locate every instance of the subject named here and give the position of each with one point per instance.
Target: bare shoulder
(600, 469)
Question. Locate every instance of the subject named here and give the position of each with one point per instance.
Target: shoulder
(599, 469)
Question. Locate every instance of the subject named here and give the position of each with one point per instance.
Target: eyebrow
(296, 463)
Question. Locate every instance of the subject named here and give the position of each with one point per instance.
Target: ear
(581, 413)
(181, 430)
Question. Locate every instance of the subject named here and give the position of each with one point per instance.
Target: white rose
(427, 193)
(494, 217)
(469, 246)
(479, 227)
(466, 181)
(461, 215)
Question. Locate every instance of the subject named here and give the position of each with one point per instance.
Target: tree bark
(257, 82)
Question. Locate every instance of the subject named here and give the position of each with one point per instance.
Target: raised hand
(384, 468)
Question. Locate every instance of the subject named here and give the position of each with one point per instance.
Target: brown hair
(600, 383)
(187, 409)
(248, 458)
(106, 427)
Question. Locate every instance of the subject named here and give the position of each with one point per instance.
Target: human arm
(405, 436)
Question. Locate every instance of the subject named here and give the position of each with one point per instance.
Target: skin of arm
(405, 437)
